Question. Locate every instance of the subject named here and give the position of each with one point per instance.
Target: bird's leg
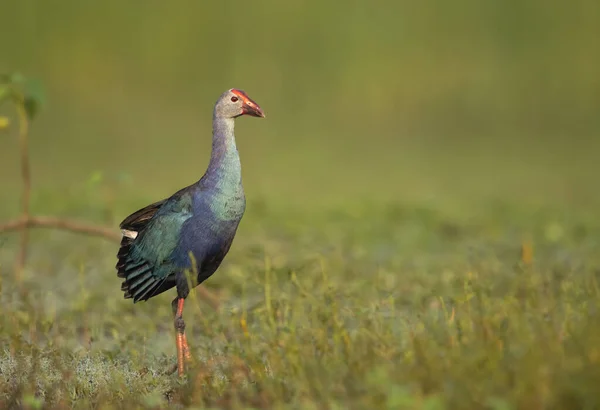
(179, 324)
(183, 350)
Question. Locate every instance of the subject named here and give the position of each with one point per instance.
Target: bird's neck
(224, 168)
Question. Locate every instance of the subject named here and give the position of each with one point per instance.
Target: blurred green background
(410, 149)
(433, 101)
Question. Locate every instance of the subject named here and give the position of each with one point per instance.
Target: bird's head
(234, 103)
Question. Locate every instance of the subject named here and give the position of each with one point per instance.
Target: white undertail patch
(129, 234)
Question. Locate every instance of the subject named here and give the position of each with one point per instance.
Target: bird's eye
(234, 99)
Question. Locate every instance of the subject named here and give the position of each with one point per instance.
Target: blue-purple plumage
(199, 220)
(196, 224)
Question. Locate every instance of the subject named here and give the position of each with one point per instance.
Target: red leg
(180, 368)
(183, 350)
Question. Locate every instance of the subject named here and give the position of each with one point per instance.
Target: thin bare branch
(85, 228)
(61, 223)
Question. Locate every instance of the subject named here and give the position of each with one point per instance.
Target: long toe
(180, 354)
(186, 349)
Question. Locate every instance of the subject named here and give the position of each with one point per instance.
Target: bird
(193, 229)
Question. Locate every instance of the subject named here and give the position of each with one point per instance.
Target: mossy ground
(384, 306)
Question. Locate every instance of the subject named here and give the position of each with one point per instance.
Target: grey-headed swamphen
(199, 220)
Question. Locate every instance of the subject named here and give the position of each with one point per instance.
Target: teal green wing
(149, 237)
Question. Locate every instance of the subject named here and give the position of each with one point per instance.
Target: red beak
(251, 108)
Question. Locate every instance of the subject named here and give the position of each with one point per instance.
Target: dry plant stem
(26, 195)
(209, 298)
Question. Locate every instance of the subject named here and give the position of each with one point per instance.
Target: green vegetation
(410, 155)
(390, 306)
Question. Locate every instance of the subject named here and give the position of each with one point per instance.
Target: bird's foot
(186, 349)
(183, 349)
(180, 355)
(183, 353)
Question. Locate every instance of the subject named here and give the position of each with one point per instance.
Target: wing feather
(151, 234)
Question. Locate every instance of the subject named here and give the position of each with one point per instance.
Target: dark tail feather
(139, 283)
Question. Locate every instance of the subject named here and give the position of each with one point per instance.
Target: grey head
(233, 103)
